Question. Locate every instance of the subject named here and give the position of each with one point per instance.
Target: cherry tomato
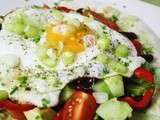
(137, 45)
(17, 115)
(81, 106)
(144, 74)
(7, 104)
(57, 116)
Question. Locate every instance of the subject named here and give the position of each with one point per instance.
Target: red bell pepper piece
(9, 105)
(144, 74)
(63, 8)
(104, 20)
(17, 115)
(142, 103)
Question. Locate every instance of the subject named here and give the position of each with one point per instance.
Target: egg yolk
(66, 37)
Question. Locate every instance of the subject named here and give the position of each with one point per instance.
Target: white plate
(148, 13)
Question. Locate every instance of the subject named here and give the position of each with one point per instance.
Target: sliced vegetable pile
(113, 95)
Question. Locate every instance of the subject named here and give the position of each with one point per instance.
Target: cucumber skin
(66, 93)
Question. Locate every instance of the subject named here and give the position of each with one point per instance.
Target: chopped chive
(36, 7)
(13, 90)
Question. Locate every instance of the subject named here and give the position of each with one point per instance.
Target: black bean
(130, 35)
(80, 10)
(148, 57)
(84, 84)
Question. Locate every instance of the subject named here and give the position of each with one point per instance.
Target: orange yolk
(72, 41)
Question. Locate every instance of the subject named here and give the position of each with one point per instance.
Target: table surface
(155, 2)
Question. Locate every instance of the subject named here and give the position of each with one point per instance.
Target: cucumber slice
(114, 110)
(66, 93)
(3, 95)
(121, 51)
(115, 84)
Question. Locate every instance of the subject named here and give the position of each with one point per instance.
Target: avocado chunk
(39, 114)
(114, 110)
(115, 84)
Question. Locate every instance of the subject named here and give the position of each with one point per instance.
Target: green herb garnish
(22, 81)
(45, 102)
(114, 18)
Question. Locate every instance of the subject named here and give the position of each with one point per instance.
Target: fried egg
(68, 48)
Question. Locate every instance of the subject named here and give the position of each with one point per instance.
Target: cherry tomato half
(81, 106)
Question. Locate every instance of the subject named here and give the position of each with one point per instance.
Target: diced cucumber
(46, 59)
(39, 114)
(66, 93)
(49, 62)
(103, 43)
(100, 97)
(115, 84)
(121, 51)
(57, 14)
(68, 57)
(3, 95)
(102, 58)
(32, 31)
(17, 28)
(114, 110)
(101, 86)
(135, 90)
(117, 67)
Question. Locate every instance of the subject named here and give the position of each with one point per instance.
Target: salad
(65, 64)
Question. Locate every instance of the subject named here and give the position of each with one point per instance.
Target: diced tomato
(17, 115)
(105, 21)
(7, 104)
(137, 45)
(144, 74)
(81, 106)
